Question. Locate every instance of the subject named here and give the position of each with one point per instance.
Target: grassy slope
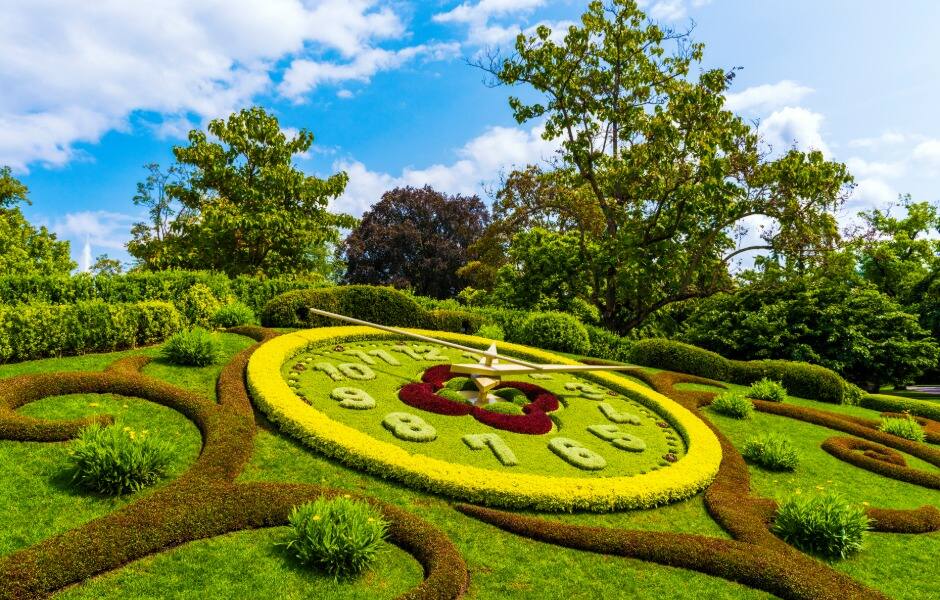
(250, 564)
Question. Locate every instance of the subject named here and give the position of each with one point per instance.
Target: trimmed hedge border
(846, 449)
(800, 379)
(203, 502)
(920, 408)
(355, 448)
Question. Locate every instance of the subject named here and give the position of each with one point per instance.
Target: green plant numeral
(502, 452)
(412, 353)
(353, 398)
(410, 428)
(471, 355)
(434, 354)
(361, 356)
(540, 376)
(619, 439)
(616, 416)
(330, 370)
(576, 455)
(385, 356)
(357, 371)
(587, 390)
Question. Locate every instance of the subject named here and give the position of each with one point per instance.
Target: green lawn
(39, 503)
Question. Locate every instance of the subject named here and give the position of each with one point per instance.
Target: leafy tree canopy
(415, 238)
(24, 249)
(652, 151)
(244, 208)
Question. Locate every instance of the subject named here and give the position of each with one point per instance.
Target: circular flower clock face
(550, 440)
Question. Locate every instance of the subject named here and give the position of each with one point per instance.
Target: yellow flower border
(275, 398)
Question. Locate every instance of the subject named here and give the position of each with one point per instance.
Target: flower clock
(443, 413)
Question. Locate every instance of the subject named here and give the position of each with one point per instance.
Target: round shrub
(511, 394)
(198, 304)
(339, 535)
(194, 347)
(504, 408)
(905, 427)
(767, 389)
(555, 331)
(460, 383)
(452, 395)
(771, 451)
(733, 404)
(826, 525)
(233, 315)
(116, 460)
(491, 332)
(584, 311)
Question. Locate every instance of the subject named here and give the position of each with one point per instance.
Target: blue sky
(92, 91)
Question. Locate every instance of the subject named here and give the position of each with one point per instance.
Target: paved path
(925, 389)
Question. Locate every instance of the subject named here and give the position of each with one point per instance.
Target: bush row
(800, 379)
(137, 287)
(920, 408)
(29, 331)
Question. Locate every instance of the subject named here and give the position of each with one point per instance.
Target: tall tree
(673, 174)
(415, 238)
(149, 239)
(24, 249)
(244, 207)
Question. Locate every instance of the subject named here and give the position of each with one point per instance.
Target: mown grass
(249, 564)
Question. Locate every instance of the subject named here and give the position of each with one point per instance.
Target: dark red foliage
(534, 421)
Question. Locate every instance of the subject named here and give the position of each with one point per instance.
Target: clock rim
(353, 447)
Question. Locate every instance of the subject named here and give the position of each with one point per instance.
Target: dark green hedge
(137, 287)
(800, 379)
(29, 331)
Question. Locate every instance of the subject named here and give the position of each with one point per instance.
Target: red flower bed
(534, 421)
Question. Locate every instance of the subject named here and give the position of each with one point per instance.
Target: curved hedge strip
(879, 459)
(203, 502)
(272, 394)
(800, 379)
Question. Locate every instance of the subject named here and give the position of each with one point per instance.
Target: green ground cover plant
(338, 535)
(771, 451)
(233, 314)
(733, 404)
(194, 347)
(905, 427)
(118, 459)
(823, 524)
(767, 389)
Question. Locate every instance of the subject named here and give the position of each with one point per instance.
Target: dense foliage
(415, 238)
(25, 249)
(243, 206)
(824, 524)
(732, 404)
(857, 331)
(194, 347)
(117, 460)
(339, 535)
(654, 173)
(771, 451)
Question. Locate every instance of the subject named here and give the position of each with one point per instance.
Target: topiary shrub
(884, 402)
(732, 404)
(492, 332)
(511, 394)
(198, 304)
(453, 395)
(382, 305)
(555, 331)
(905, 427)
(338, 535)
(458, 321)
(233, 314)
(116, 460)
(194, 347)
(766, 389)
(826, 525)
(771, 451)
(504, 408)
(460, 383)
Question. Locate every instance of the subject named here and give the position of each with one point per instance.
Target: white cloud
(71, 71)
(767, 97)
(670, 10)
(794, 126)
(888, 138)
(870, 192)
(485, 21)
(860, 167)
(480, 161)
(484, 10)
(100, 228)
(927, 153)
(305, 75)
(344, 94)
